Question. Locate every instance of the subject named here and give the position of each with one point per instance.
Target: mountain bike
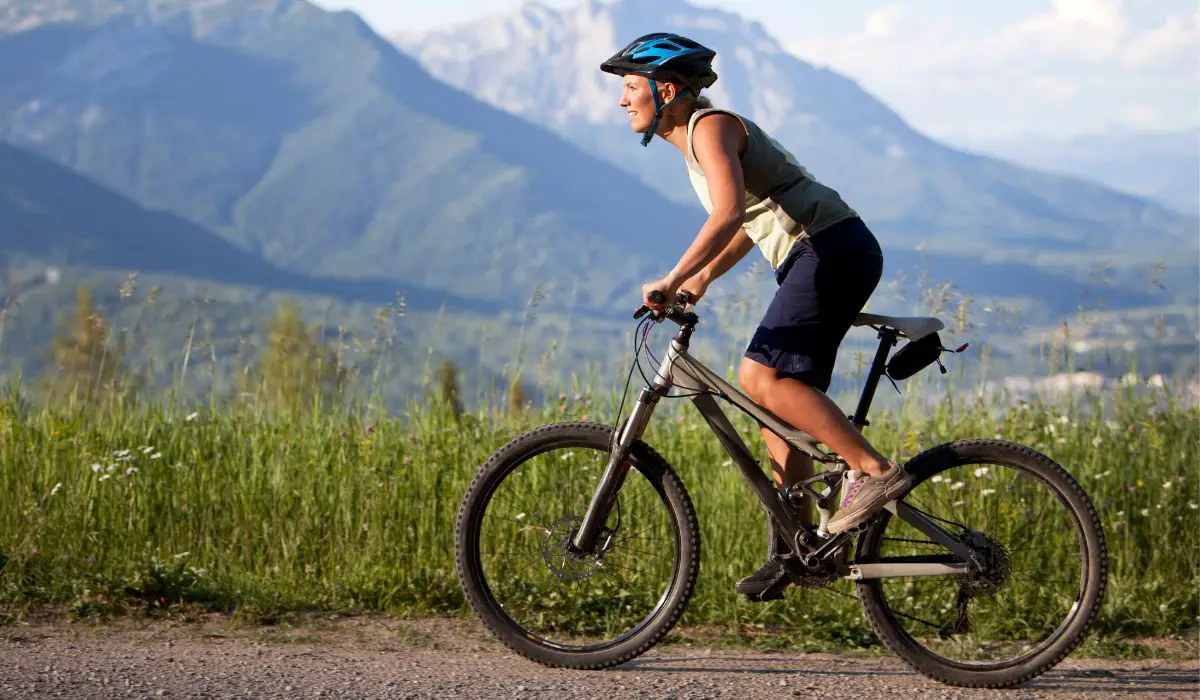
(578, 546)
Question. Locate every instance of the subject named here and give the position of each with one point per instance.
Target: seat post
(887, 338)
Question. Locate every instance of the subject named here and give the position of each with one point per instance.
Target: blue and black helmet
(664, 56)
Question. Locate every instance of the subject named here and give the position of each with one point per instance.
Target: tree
(82, 361)
(296, 367)
(447, 388)
(518, 398)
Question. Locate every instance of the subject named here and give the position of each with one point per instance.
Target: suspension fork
(615, 471)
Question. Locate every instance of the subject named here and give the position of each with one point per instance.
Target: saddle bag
(915, 356)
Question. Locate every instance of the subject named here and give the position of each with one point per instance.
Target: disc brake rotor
(555, 552)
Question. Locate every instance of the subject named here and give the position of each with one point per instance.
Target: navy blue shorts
(823, 284)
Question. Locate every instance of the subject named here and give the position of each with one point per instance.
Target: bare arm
(716, 141)
(738, 247)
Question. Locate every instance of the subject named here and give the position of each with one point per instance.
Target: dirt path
(456, 659)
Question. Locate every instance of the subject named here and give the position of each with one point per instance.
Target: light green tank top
(784, 202)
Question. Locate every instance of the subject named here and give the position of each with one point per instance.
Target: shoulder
(717, 123)
(718, 130)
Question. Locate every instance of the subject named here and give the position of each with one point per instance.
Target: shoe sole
(773, 591)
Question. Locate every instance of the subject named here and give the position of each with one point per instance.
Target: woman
(826, 261)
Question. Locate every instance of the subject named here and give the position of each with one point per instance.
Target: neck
(673, 129)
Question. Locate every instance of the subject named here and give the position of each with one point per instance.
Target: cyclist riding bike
(826, 262)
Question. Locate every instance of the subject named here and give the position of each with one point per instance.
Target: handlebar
(682, 299)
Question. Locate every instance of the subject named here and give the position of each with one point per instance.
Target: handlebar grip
(642, 311)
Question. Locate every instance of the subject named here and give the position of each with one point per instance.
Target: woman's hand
(667, 286)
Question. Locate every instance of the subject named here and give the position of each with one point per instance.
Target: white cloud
(1077, 66)
(885, 21)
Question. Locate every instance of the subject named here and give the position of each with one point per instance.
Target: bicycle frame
(680, 365)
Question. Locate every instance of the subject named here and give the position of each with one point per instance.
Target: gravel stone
(419, 659)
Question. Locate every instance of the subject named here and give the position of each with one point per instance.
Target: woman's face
(638, 101)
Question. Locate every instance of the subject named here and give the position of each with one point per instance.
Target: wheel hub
(996, 567)
(557, 554)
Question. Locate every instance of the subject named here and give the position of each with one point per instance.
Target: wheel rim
(575, 604)
(1035, 546)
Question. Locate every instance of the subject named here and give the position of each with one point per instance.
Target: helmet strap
(659, 106)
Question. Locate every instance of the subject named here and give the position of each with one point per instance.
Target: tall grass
(250, 510)
(244, 504)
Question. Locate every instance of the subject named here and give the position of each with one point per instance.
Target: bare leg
(789, 466)
(813, 412)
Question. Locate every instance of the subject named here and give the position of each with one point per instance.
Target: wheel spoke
(585, 602)
(1030, 543)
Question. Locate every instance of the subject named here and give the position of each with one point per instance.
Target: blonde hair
(697, 100)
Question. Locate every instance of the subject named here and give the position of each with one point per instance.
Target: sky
(969, 72)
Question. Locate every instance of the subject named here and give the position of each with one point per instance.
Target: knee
(755, 379)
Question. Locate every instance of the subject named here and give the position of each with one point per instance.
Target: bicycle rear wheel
(1046, 566)
(548, 605)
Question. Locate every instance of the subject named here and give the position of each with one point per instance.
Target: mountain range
(542, 63)
(301, 136)
(271, 144)
(1162, 166)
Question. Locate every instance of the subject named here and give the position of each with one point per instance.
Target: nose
(624, 99)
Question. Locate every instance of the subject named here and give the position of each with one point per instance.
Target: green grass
(264, 513)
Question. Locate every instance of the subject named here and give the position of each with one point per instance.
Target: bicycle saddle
(911, 327)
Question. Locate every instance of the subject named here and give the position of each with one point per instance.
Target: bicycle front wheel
(1044, 573)
(557, 608)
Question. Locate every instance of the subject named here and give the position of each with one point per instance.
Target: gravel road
(374, 658)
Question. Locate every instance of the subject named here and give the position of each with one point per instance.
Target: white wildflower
(567, 456)
(957, 485)
(96, 467)
(520, 516)
(938, 479)
(56, 488)
(120, 453)
(191, 416)
(1193, 506)
(1050, 428)
(1064, 420)
(147, 450)
(1145, 512)
(181, 555)
(110, 468)
(106, 477)
(156, 455)
(1096, 441)
(131, 471)
(987, 492)
(959, 503)
(1168, 484)
(1162, 607)
(999, 436)
(981, 471)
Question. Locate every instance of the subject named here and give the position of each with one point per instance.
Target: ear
(668, 91)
